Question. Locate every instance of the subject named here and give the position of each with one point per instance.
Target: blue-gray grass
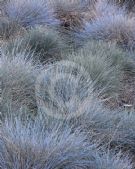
(63, 89)
(101, 62)
(67, 12)
(29, 13)
(18, 77)
(32, 145)
(111, 24)
(9, 29)
(42, 43)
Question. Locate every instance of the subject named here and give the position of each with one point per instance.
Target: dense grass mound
(18, 77)
(111, 24)
(128, 4)
(63, 90)
(68, 12)
(33, 146)
(29, 13)
(112, 129)
(42, 43)
(67, 84)
(99, 62)
(9, 29)
(106, 64)
(71, 13)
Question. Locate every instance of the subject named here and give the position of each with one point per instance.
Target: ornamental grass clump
(18, 76)
(29, 13)
(42, 43)
(31, 145)
(63, 90)
(72, 16)
(69, 13)
(102, 65)
(9, 29)
(112, 25)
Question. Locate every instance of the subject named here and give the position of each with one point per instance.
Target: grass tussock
(101, 64)
(67, 84)
(63, 89)
(71, 13)
(29, 13)
(129, 5)
(42, 43)
(113, 130)
(112, 24)
(9, 29)
(32, 145)
(18, 77)
(68, 12)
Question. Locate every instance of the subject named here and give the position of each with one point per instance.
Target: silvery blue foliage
(114, 129)
(31, 145)
(18, 75)
(42, 43)
(111, 24)
(30, 12)
(115, 28)
(101, 63)
(125, 137)
(63, 89)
